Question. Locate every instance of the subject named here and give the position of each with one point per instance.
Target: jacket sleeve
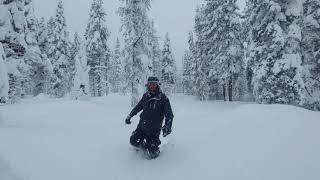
(137, 108)
(168, 113)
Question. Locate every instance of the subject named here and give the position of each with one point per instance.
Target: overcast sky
(173, 16)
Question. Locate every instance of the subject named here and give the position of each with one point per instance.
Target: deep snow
(45, 139)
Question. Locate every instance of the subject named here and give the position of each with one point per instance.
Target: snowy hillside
(44, 139)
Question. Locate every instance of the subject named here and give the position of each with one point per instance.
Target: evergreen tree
(37, 74)
(81, 79)
(73, 52)
(168, 67)
(136, 28)
(188, 60)
(4, 83)
(58, 53)
(18, 34)
(98, 52)
(198, 78)
(42, 36)
(275, 53)
(246, 28)
(12, 37)
(155, 52)
(220, 48)
(75, 45)
(311, 52)
(186, 80)
(116, 77)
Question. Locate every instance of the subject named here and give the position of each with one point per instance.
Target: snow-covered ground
(43, 139)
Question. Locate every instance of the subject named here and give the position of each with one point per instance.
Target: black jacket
(155, 107)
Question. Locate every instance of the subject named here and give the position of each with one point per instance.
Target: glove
(166, 131)
(128, 120)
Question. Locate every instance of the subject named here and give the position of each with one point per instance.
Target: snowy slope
(43, 139)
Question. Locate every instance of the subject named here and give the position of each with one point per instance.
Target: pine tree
(311, 52)
(188, 60)
(73, 52)
(81, 79)
(186, 78)
(42, 39)
(220, 49)
(58, 53)
(12, 37)
(75, 45)
(274, 51)
(98, 52)
(136, 28)
(4, 83)
(42, 36)
(168, 67)
(246, 28)
(18, 34)
(39, 68)
(116, 77)
(155, 52)
(199, 80)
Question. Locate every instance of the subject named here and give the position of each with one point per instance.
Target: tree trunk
(230, 88)
(132, 80)
(224, 92)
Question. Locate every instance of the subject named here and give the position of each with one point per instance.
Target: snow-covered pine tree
(42, 39)
(136, 28)
(38, 70)
(155, 52)
(42, 36)
(75, 45)
(221, 49)
(274, 49)
(199, 77)
(58, 52)
(311, 52)
(188, 60)
(81, 79)
(4, 83)
(292, 58)
(168, 67)
(12, 37)
(98, 52)
(74, 48)
(116, 76)
(186, 80)
(246, 28)
(18, 35)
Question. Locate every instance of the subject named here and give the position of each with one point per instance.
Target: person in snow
(154, 105)
(81, 92)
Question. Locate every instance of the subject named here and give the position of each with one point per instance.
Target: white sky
(173, 16)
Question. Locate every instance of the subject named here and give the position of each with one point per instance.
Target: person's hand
(166, 131)
(128, 120)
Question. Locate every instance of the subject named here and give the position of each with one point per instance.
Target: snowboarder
(155, 105)
(81, 92)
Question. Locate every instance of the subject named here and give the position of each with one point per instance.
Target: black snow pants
(151, 142)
